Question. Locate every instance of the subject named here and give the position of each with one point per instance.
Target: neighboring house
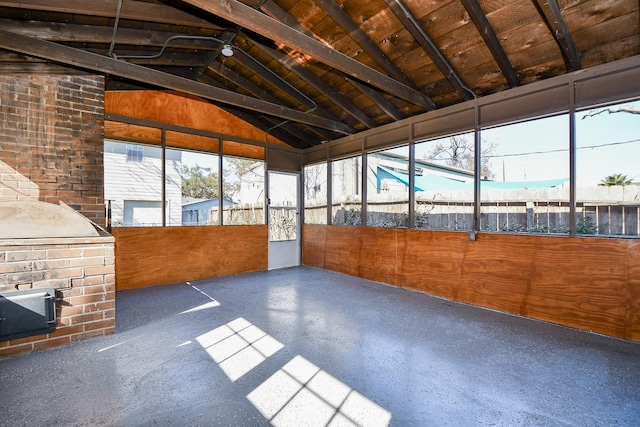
(392, 172)
(201, 211)
(133, 184)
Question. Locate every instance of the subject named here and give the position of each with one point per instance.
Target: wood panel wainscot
(584, 283)
(160, 255)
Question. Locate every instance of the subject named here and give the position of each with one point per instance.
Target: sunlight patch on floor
(302, 394)
(238, 347)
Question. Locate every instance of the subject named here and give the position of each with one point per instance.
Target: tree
(615, 179)
(199, 182)
(458, 151)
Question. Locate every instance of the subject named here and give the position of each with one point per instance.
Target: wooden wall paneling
(314, 245)
(233, 148)
(633, 285)
(378, 254)
(431, 261)
(180, 110)
(497, 272)
(343, 249)
(580, 282)
(160, 255)
(190, 141)
(129, 132)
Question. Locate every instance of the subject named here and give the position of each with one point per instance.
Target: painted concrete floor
(303, 347)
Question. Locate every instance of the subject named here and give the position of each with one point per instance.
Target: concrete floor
(303, 346)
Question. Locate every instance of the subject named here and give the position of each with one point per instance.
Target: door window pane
(283, 208)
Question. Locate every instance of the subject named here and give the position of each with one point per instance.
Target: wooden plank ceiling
(314, 70)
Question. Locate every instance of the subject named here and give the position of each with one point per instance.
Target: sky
(606, 144)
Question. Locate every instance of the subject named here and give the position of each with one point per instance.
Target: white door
(284, 226)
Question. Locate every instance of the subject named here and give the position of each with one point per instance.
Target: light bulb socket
(227, 50)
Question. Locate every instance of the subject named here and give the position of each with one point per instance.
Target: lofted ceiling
(310, 71)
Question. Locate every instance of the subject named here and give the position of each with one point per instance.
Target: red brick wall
(83, 271)
(51, 140)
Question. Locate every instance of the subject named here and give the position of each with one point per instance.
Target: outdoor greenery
(615, 179)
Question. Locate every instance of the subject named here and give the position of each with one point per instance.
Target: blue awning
(430, 182)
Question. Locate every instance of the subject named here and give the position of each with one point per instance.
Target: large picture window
(444, 183)
(388, 188)
(243, 183)
(346, 186)
(525, 187)
(192, 194)
(133, 188)
(192, 185)
(608, 170)
(315, 194)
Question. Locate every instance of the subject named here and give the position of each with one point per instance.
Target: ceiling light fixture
(227, 50)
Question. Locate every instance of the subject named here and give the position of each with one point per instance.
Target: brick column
(51, 140)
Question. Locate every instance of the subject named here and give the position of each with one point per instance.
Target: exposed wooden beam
(102, 64)
(271, 78)
(380, 100)
(491, 40)
(275, 80)
(276, 12)
(355, 32)
(131, 9)
(61, 32)
(420, 35)
(249, 18)
(552, 15)
(167, 58)
(256, 91)
(313, 80)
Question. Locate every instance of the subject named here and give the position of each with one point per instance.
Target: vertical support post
(477, 174)
(412, 184)
(329, 190)
(220, 184)
(363, 189)
(572, 160)
(164, 177)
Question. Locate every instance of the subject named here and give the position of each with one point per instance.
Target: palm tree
(615, 179)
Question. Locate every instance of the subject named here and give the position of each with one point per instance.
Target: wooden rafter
(420, 35)
(131, 9)
(552, 15)
(258, 92)
(380, 100)
(78, 58)
(318, 84)
(355, 32)
(491, 40)
(259, 69)
(247, 17)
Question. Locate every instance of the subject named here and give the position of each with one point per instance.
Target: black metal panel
(617, 86)
(284, 160)
(392, 135)
(348, 146)
(26, 313)
(316, 155)
(525, 106)
(434, 126)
